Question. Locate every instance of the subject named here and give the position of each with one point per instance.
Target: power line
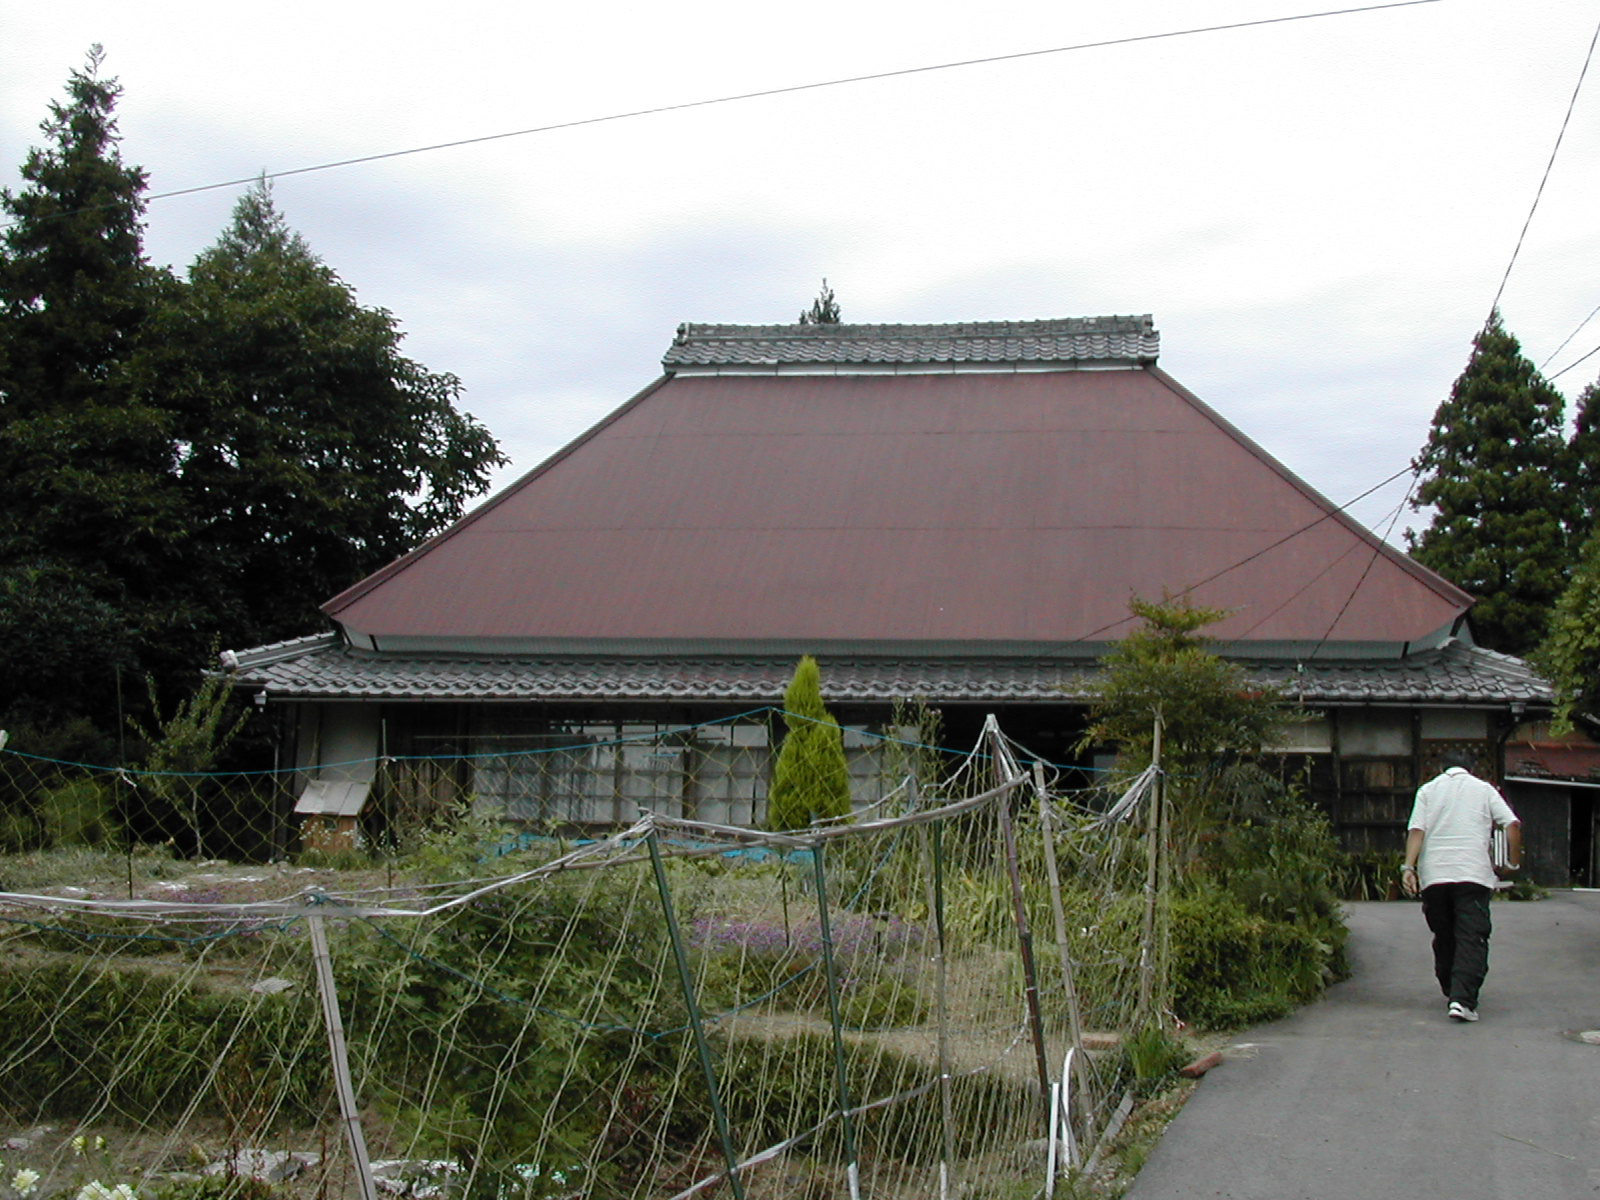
(1267, 549)
(1367, 570)
(1570, 365)
(1545, 178)
(1549, 357)
(777, 91)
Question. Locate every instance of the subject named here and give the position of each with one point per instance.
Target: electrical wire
(1544, 179)
(765, 93)
(1371, 562)
(1575, 362)
(1267, 549)
(1549, 357)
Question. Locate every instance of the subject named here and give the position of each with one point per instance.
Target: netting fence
(936, 996)
(573, 775)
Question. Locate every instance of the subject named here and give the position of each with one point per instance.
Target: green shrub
(144, 1040)
(885, 1003)
(1150, 1057)
(811, 779)
(80, 813)
(775, 1087)
(1231, 967)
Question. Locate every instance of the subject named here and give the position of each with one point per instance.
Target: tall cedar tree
(312, 450)
(1497, 472)
(88, 515)
(824, 309)
(811, 779)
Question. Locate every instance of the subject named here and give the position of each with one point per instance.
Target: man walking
(1448, 861)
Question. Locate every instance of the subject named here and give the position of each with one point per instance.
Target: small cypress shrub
(811, 779)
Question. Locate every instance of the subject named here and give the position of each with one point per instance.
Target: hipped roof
(988, 487)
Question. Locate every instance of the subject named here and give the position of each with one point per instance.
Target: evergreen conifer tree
(824, 309)
(1497, 472)
(84, 457)
(811, 779)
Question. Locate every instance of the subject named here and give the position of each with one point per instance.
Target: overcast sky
(1317, 212)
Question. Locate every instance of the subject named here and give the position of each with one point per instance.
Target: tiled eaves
(1452, 675)
(1117, 339)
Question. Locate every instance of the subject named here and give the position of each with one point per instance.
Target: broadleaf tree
(1570, 654)
(1167, 668)
(1584, 447)
(1496, 473)
(311, 450)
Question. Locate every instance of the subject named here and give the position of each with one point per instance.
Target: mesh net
(930, 996)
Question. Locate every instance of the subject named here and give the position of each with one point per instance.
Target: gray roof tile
(1454, 674)
(1103, 340)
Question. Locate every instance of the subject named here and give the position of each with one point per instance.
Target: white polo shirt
(1457, 812)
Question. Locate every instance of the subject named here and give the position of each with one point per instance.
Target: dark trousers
(1458, 914)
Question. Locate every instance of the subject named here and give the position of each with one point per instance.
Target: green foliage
(176, 1029)
(1152, 1056)
(1253, 923)
(81, 813)
(776, 1086)
(198, 730)
(210, 1187)
(65, 641)
(1166, 668)
(1584, 447)
(186, 457)
(186, 744)
(311, 451)
(824, 309)
(27, 785)
(82, 451)
(541, 992)
(1570, 654)
(811, 780)
(1232, 967)
(1273, 849)
(1497, 473)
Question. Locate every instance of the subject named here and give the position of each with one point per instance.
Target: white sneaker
(1460, 1012)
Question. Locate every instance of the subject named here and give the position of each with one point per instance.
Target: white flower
(24, 1182)
(95, 1190)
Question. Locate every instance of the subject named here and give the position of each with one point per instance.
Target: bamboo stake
(686, 982)
(842, 1078)
(1064, 949)
(341, 1058)
(1005, 762)
(933, 855)
(1147, 930)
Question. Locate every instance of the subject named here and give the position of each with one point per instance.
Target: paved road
(1372, 1092)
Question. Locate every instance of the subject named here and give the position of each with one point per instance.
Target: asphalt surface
(1373, 1092)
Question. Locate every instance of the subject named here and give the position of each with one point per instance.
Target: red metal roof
(990, 507)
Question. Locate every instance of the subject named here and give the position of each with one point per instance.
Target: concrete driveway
(1372, 1092)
